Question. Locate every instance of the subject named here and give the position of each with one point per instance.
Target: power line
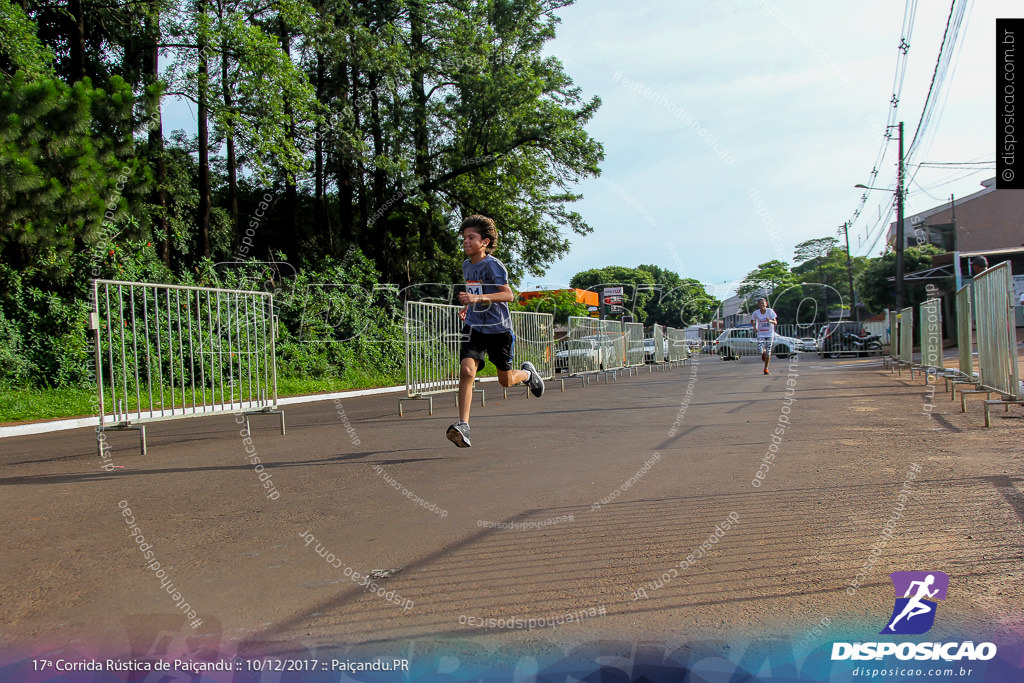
(936, 92)
(906, 32)
(957, 12)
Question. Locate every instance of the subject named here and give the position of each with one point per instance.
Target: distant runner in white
(764, 321)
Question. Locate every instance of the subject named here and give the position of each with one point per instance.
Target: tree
(20, 48)
(678, 302)
(452, 109)
(879, 293)
(64, 163)
(561, 303)
(814, 249)
(639, 287)
(766, 279)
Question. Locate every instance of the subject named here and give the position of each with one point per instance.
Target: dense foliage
(652, 294)
(350, 135)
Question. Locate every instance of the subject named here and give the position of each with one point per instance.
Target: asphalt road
(633, 507)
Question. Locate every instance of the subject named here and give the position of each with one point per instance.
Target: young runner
(764, 321)
(488, 322)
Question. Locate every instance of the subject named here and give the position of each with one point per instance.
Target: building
(986, 228)
(984, 221)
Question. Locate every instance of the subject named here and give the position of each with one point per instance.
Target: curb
(80, 422)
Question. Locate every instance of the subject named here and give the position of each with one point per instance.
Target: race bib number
(474, 287)
(764, 325)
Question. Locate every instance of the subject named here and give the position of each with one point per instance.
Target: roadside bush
(336, 324)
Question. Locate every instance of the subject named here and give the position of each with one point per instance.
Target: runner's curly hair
(483, 226)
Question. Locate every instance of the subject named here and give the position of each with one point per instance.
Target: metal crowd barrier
(997, 347)
(167, 351)
(535, 342)
(635, 354)
(894, 337)
(584, 352)
(964, 331)
(595, 346)
(964, 343)
(678, 349)
(612, 330)
(906, 357)
(659, 345)
(433, 335)
(931, 338)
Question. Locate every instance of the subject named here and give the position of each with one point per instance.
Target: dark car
(831, 337)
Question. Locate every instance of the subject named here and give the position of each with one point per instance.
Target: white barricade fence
(790, 330)
(635, 355)
(535, 341)
(168, 351)
(880, 327)
(615, 338)
(997, 352)
(931, 336)
(894, 334)
(585, 353)
(433, 337)
(965, 331)
(659, 344)
(906, 319)
(678, 348)
(433, 334)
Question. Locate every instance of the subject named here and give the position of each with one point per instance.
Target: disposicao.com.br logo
(914, 613)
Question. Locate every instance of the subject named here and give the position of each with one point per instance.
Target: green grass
(20, 405)
(27, 404)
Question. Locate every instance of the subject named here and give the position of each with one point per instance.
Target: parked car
(649, 349)
(609, 345)
(830, 338)
(587, 351)
(742, 341)
(808, 344)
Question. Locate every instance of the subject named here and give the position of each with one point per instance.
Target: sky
(735, 129)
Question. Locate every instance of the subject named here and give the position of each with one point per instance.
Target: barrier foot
(952, 384)
(264, 411)
(1005, 402)
(124, 427)
(963, 397)
(428, 399)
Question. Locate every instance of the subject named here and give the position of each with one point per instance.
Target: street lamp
(899, 221)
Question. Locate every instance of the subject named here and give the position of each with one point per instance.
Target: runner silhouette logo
(916, 595)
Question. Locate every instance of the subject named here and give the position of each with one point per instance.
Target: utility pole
(899, 227)
(849, 271)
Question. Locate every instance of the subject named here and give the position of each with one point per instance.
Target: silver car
(585, 353)
(742, 341)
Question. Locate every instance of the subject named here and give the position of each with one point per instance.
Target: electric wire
(934, 101)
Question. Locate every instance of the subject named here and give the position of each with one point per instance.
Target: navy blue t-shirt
(485, 278)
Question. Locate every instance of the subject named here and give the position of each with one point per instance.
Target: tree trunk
(291, 194)
(156, 141)
(322, 217)
(231, 160)
(204, 135)
(416, 236)
(76, 40)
